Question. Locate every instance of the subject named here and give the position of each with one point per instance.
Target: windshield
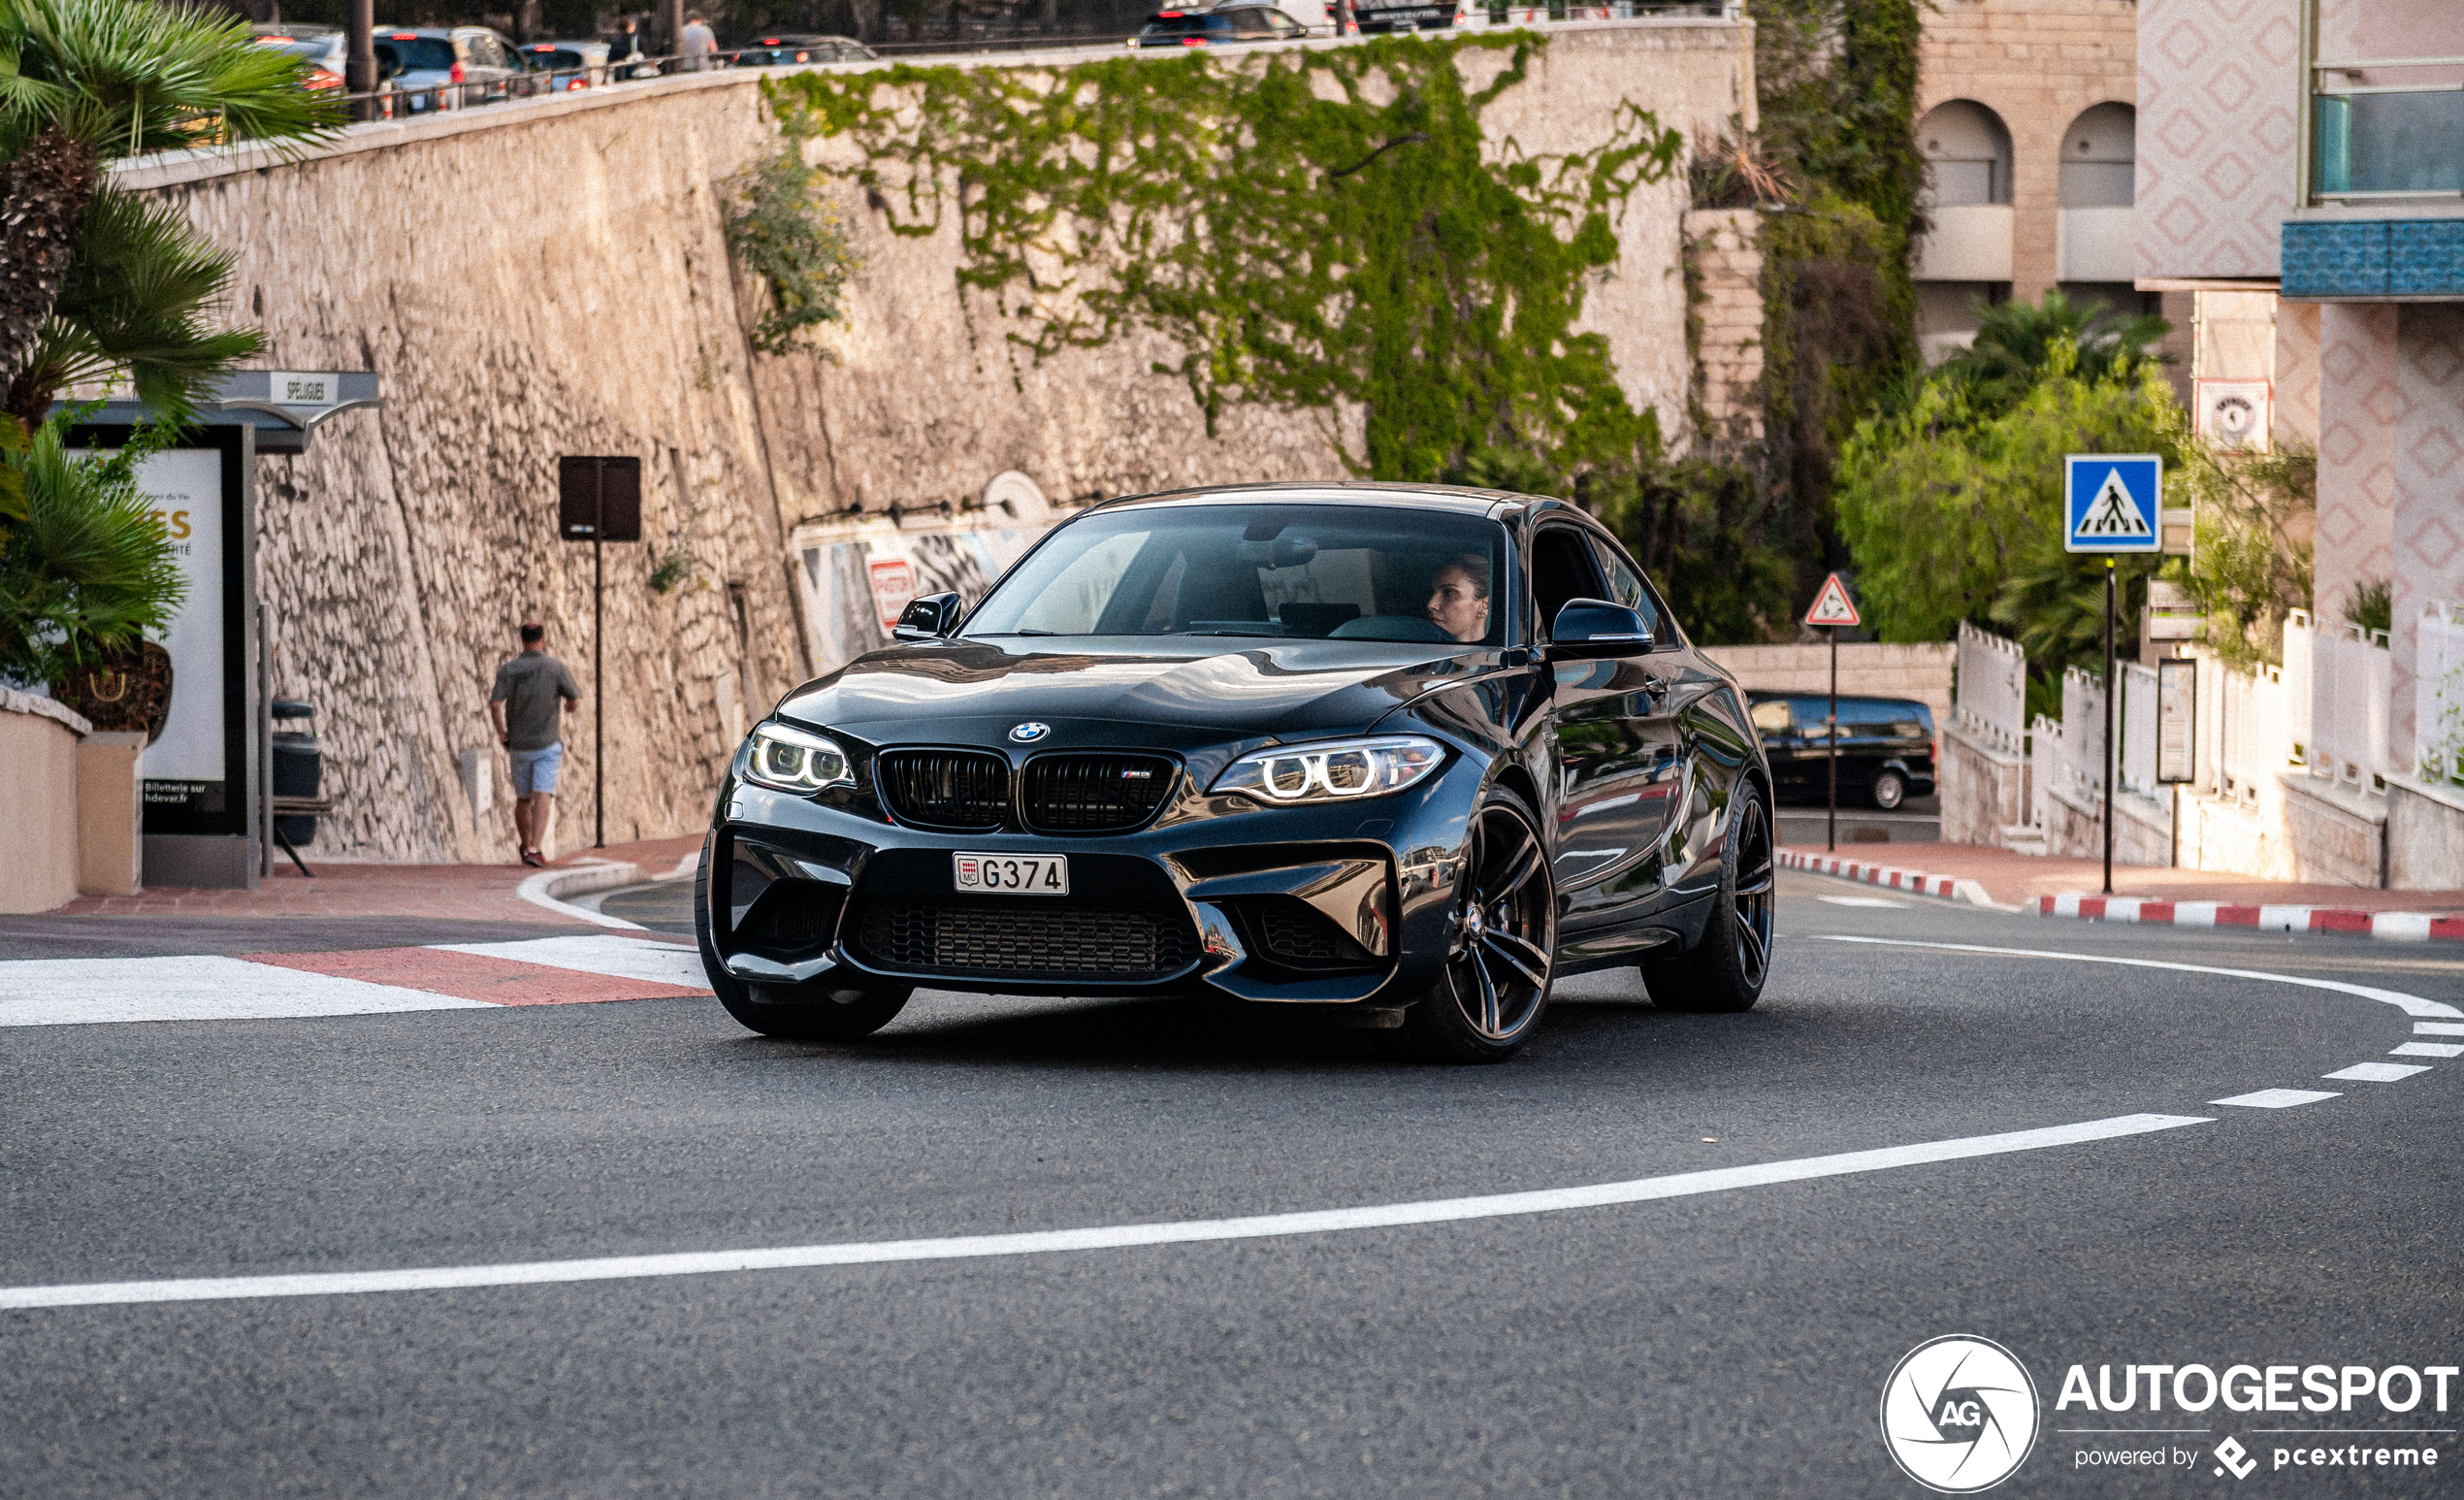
(1349, 572)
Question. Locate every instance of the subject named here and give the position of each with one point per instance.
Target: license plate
(1012, 874)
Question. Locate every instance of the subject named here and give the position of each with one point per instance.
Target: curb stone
(1914, 882)
(2402, 926)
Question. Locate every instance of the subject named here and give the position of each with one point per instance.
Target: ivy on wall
(1310, 229)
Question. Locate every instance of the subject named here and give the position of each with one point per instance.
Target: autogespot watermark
(1960, 1414)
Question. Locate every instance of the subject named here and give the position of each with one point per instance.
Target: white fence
(2047, 765)
(2138, 770)
(2242, 730)
(2438, 694)
(2354, 684)
(2299, 674)
(1992, 692)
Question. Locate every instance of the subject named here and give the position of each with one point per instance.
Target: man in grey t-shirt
(524, 708)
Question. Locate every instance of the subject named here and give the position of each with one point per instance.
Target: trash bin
(298, 770)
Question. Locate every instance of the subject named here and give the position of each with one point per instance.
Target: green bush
(89, 570)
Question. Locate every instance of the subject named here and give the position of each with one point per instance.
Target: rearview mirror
(1588, 628)
(928, 617)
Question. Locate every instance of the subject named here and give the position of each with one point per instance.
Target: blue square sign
(2113, 502)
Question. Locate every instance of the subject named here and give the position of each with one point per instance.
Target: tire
(1725, 971)
(1503, 945)
(1889, 790)
(818, 1012)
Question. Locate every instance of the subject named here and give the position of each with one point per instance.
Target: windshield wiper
(1246, 634)
(1013, 633)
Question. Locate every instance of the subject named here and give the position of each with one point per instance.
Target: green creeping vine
(1309, 227)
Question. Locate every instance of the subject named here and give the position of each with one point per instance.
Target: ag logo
(1959, 1413)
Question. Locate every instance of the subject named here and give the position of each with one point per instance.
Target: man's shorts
(534, 770)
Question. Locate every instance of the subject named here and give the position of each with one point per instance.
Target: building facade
(2300, 175)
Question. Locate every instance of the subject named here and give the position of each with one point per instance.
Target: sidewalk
(486, 892)
(2074, 888)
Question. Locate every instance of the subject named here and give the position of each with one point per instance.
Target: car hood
(1185, 691)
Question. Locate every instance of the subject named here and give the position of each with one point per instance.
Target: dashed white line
(1862, 900)
(2377, 1072)
(2277, 1098)
(2410, 1004)
(2438, 1028)
(2428, 1050)
(1113, 1237)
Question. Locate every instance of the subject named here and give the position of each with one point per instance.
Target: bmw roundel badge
(1030, 732)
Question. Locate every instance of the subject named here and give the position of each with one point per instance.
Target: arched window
(2098, 156)
(1969, 151)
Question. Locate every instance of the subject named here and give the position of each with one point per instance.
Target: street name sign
(1832, 605)
(2113, 502)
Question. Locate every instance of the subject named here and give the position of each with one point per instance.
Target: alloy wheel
(1505, 928)
(1754, 897)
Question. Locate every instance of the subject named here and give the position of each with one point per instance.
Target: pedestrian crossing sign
(2113, 502)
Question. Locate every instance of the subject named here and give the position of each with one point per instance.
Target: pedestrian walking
(626, 53)
(524, 707)
(700, 44)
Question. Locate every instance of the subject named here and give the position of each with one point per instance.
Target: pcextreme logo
(1959, 1413)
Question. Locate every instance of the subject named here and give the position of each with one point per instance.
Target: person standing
(700, 44)
(524, 707)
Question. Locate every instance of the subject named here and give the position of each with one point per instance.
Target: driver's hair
(1474, 565)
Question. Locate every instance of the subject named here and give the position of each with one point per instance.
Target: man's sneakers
(532, 857)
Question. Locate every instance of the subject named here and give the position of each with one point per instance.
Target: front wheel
(818, 1012)
(1501, 944)
(1725, 971)
(1889, 790)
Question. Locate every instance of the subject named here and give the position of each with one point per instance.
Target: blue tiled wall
(2375, 258)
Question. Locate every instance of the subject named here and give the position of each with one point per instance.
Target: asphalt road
(1728, 1342)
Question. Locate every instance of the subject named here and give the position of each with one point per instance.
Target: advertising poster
(188, 767)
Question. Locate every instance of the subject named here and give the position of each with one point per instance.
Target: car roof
(1458, 500)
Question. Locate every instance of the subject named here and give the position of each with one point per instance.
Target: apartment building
(2300, 176)
(2026, 109)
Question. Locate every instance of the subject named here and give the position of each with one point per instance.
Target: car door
(1618, 764)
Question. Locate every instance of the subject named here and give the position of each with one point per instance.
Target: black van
(1885, 747)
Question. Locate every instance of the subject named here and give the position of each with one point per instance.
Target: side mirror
(928, 617)
(1590, 627)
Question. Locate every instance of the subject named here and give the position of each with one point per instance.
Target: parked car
(1406, 753)
(327, 52)
(559, 65)
(424, 62)
(1217, 26)
(789, 50)
(1885, 747)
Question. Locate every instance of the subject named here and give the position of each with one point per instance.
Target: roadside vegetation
(100, 288)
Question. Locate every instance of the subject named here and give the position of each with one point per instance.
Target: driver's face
(1456, 606)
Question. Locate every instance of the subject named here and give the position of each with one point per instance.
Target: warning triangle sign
(1832, 606)
(2113, 512)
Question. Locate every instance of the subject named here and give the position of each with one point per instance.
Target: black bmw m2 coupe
(1414, 752)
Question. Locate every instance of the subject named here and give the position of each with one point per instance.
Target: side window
(1770, 717)
(1625, 586)
(1813, 716)
(1563, 568)
(1253, 23)
(485, 52)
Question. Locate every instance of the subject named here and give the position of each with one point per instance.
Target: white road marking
(2430, 1049)
(2277, 1098)
(1112, 1237)
(2438, 1029)
(2376, 1072)
(1862, 900)
(623, 958)
(2410, 1004)
(78, 992)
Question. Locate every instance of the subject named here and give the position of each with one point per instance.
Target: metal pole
(359, 69)
(265, 745)
(1830, 737)
(2112, 693)
(598, 660)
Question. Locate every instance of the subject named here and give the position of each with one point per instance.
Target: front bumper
(1335, 903)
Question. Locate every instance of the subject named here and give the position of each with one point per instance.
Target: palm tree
(2014, 342)
(92, 282)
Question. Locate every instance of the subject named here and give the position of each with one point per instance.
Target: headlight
(1334, 770)
(795, 759)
